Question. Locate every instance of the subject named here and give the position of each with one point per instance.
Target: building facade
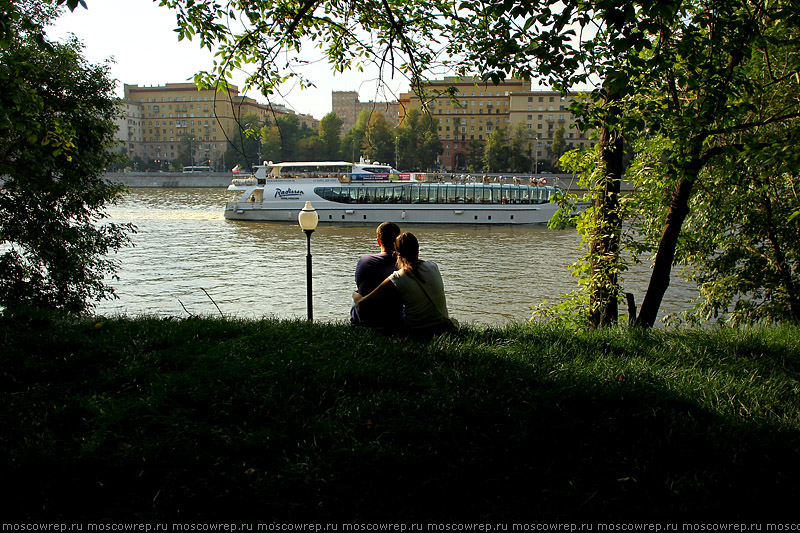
(347, 106)
(541, 114)
(470, 111)
(467, 113)
(130, 128)
(160, 118)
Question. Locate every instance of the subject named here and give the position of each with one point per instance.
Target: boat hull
(409, 213)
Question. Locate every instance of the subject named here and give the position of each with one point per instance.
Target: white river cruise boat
(371, 193)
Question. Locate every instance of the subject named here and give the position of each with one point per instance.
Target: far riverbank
(177, 180)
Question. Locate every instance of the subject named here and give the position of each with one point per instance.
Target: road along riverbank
(171, 180)
(178, 180)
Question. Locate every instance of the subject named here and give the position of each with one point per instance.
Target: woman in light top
(419, 285)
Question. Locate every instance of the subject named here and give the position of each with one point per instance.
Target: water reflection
(492, 275)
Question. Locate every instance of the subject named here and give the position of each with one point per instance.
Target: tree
(742, 56)
(57, 137)
(312, 149)
(281, 141)
(518, 149)
(290, 133)
(475, 156)
(739, 232)
(559, 146)
(379, 140)
(186, 149)
(271, 143)
(244, 147)
(741, 245)
(418, 144)
(353, 140)
(495, 155)
(330, 133)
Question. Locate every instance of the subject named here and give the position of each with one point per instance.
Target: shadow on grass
(213, 420)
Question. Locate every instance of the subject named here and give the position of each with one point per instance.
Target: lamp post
(308, 219)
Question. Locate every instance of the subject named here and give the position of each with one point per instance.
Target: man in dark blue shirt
(371, 270)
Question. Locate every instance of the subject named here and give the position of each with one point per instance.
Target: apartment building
(347, 106)
(475, 109)
(158, 118)
(129, 130)
(470, 113)
(541, 114)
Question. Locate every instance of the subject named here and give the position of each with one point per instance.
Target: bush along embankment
(210, 419)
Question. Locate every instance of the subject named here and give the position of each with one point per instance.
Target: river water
(185, 248)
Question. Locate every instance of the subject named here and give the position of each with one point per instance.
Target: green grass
(210, 419)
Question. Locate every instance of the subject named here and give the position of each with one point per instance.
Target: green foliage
(495, 154)
(283, 140)
(418, 143)
(330, 133)
(379, 140)
(273, 33)
(519, 149)
(475, 156)
(730, 144)
(575, 308)
(56, 139)
(353, 141)
(559, 146)
(741, 245)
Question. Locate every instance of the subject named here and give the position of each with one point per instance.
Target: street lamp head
(308, 218)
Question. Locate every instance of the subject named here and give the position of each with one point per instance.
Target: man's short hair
(387, 233)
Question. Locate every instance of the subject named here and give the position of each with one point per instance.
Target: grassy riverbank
(211, 419)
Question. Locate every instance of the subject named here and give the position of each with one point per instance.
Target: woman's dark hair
(406, 251)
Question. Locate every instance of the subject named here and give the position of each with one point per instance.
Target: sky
(139, 37)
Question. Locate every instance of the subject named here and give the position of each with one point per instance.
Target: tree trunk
(604, 249)
(662, 268)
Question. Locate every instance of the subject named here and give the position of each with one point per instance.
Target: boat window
(424, 194)
(525, 194)
(461, 193)
(439, 193)
(377, 170)
(486, 197)
(469, 194)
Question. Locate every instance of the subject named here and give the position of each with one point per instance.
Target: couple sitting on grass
(397, 291)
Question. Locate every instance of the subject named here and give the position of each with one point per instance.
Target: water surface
(184, 247)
